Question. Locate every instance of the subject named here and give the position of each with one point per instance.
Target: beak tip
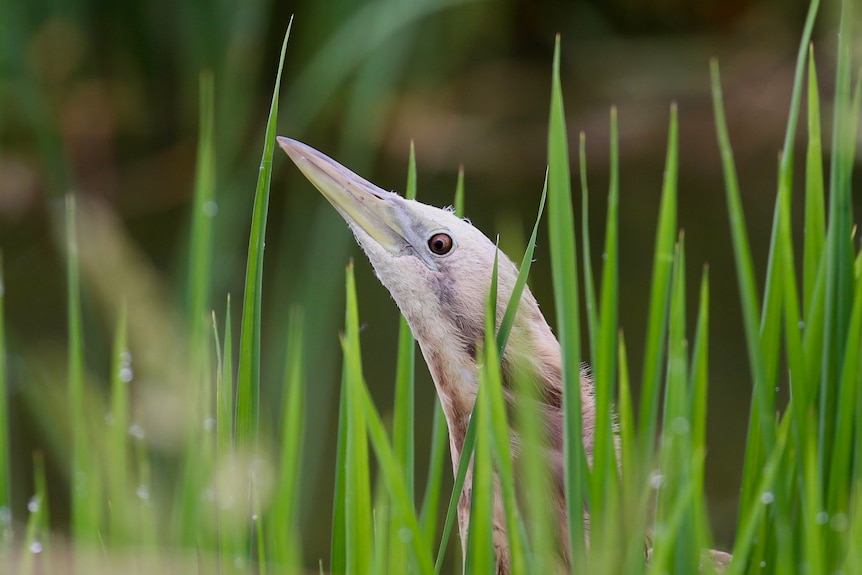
(290, 146)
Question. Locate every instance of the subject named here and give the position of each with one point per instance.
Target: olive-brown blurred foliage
(101, 98)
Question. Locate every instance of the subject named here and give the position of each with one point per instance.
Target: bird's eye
(440, 244)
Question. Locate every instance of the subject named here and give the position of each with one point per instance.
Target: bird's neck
(532, 348)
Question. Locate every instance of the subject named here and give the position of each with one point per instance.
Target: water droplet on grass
(36, 547)
(143, 492)
(821, 518)
(680, 425)
(33, 504)
(767, 497)
(210, 209)
(136, 431)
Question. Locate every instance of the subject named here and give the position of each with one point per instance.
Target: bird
(438, 268)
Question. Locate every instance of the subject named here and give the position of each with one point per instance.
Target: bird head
(438, 269)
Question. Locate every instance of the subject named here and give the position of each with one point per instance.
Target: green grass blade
(469, 437)
(751, 516)
(36, 531)
(854, 555)
(775, 279)
(360, 409)
(83, 475)
(5, 461)
(436, 468)
(604, 449)
(785, 179)
(698, 405)
(634, 489)
(382, 528)
(498, 427)
(589, 285)
(812, 506)
(225, 391)
(839, 251)
(480, 557)
(676, 433)
(357, 468)
(338, 554)
(283, 534)
(564, 271)
(815, 216)
(393, 478)
(841, 464)
(761, 431)
(248, 380)
(228, 543)
(118, 436)
(459, 193)
(675, 518)
(659, 294)
(480, 539)
(203, 212)
(523, 273)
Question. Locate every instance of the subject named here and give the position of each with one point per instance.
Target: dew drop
(210, 209)
(254, 517)
(767, 497)
(143, 492)
(656, 479)
(126, 374)
(680, 426)
(5, 515)
(605, 256)
(801, 324)
(209, 423)
(763, 564)
(36, 547)
(33, 504)
(136, 431)
(821, 518)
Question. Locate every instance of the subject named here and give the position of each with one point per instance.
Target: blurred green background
(102, 98)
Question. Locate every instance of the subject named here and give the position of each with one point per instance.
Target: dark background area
(102, 98)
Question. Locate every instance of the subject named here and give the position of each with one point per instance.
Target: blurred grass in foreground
(232, 504)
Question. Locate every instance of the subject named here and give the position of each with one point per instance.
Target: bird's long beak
(378, 212)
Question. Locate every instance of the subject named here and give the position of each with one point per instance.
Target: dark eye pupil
(440, 244)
